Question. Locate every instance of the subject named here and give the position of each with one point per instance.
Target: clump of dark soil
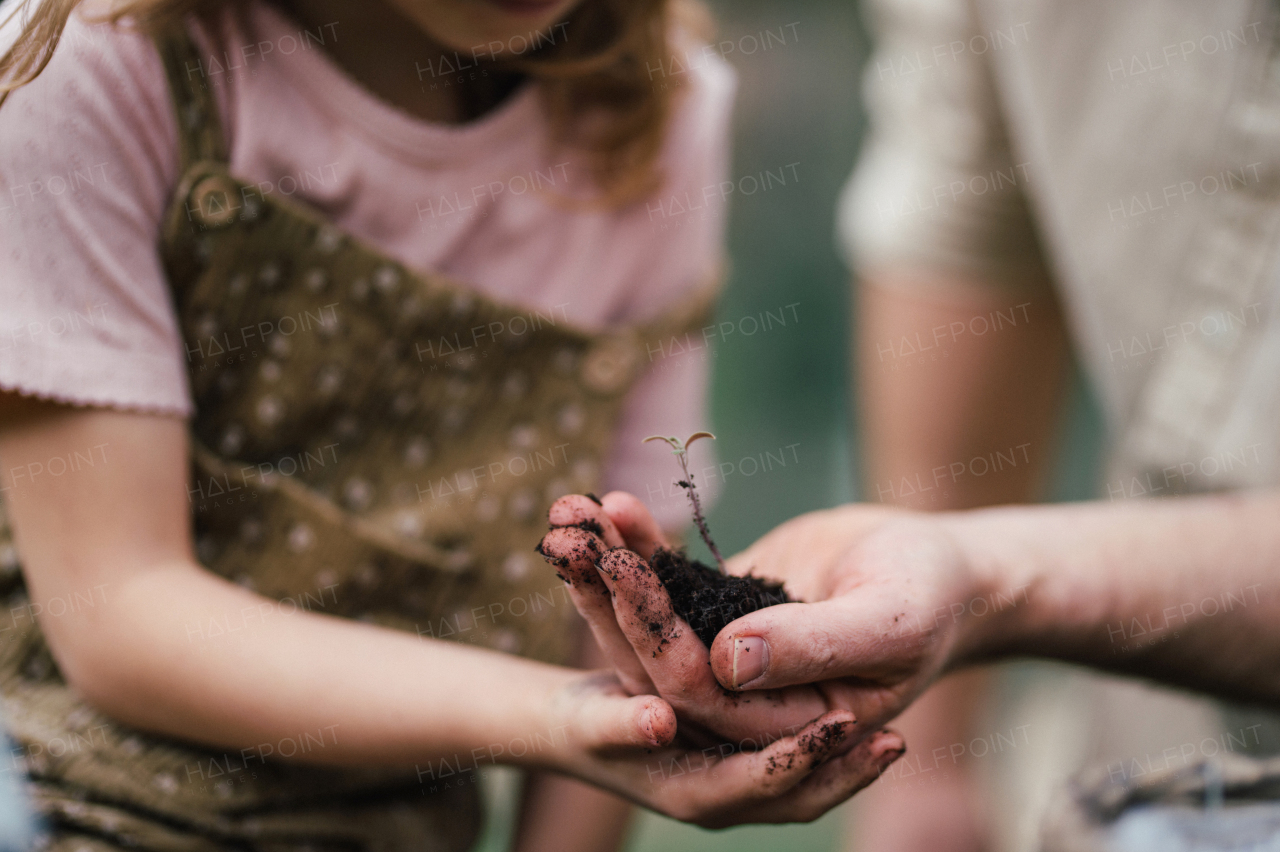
(591, 525)
(707, 599)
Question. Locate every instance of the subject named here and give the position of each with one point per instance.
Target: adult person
(879, 624)
(1048, 176)
(1114, 161)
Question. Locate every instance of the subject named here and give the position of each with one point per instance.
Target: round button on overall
(215, 202)
(609, 364)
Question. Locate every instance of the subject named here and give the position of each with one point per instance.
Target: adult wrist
(1001, 578)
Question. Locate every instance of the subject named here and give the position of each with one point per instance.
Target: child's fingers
(632, 519)
(578, 510)
(574, 551)
(641, 721)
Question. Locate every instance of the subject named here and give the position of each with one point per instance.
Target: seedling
(681, 452)
(706, 598)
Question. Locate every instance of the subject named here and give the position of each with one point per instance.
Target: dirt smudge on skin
(625, 567)
(814, 744)
(590, 525)
(823, 740)
(587, 549)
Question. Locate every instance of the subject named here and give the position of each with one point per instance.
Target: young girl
(310, 310)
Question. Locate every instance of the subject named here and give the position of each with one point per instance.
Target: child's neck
(383, 51)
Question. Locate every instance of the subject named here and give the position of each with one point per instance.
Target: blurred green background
(798, 103)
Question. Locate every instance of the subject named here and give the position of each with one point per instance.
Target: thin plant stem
(681, 450)
(699, 519)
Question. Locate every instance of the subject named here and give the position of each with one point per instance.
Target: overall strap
(199, 127)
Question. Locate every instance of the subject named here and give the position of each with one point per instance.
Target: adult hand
(892, 604)
(652, 649)
(625, 744)
(888, 600)
(897, 599)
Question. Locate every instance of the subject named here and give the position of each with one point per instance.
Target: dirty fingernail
(750, 659)
(646, 725)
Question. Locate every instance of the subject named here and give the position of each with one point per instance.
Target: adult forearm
(950, 418)
(1185, 590)
(369, 695)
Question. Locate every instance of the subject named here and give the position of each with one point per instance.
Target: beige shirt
(1132, 149)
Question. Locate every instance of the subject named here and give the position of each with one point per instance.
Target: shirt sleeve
(938, 186)
(88, 156)
(687, 218)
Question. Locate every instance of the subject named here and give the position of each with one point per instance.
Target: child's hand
(652, 649)
(624, 744)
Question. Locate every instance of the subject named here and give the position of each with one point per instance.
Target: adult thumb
(801, 643)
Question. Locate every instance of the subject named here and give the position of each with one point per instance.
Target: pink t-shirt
(89, 162)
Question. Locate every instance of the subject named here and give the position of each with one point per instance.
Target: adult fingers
(799, 643)
(643, 607)
(676, 660)
(834, 781)
(734, 787)
(633, 520)
(574, 551)
(578, 510)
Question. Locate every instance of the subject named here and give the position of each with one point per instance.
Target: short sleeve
(938, 186)
(688, 252)
(88, 159)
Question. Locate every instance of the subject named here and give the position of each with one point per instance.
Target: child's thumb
(642, 721)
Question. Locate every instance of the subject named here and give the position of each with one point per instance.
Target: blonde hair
(597, 82)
